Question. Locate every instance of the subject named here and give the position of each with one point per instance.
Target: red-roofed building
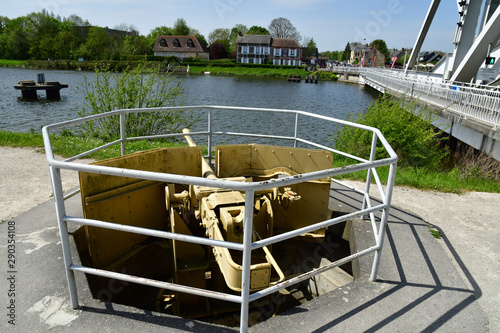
(180, 47)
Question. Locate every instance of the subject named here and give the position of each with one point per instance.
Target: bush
(408, 130)
(132, 89)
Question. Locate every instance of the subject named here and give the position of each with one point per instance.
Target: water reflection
(325, 98)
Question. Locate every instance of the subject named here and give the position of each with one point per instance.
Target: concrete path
(419, 288)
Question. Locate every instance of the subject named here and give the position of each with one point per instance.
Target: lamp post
(364, 44)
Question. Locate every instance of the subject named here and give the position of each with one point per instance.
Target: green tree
(222, 35)
(133, 89)
(235, 31)
(202, 39)
(41, 31)
(96, 45)
(181, 28)
(347, 52)
(381, 46)
(408, 130)
(257, 30)
(67, 42)
(14, 40)
(310, 49)
(163, 30)
(134, 45)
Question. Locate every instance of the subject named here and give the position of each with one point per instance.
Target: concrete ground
(419, 287)
(424, 284)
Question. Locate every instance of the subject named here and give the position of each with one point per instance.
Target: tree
(310, 49)
(96, 45)
(77, 20)
(128, 28)
(132, 89)
(133, 45)
(67, 41)
(13, 40)
(257, 30)
(218, 51)
(41, 30)
(235, 31)
(381, 46)
(347, 52)
(220, 34)
(202, 39)
(181, 28)
(282, 28)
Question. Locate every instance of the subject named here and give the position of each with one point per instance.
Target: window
(251, 49)
(189, 43)
(163, 43)
(277, 52)
(176, 43)
(293, 52)
(250, 61)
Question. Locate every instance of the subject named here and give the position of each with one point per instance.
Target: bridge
(467, 112)
(463, 88)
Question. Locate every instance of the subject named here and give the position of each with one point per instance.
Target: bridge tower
(476, 38)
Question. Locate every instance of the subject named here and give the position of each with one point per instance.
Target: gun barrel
(205, 167)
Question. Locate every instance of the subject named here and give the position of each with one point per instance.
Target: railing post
(55, 175)
(296, 135)
(209, 139)
(383, 222)
(247, 253)
(122, 133)
(369, 176)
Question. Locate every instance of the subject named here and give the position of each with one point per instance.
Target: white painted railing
(368, 208)
(468, 101)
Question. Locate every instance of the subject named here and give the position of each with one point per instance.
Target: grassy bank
(215, 67)
(13, 63)
(455, 180)
(70, 145)
(244, 71)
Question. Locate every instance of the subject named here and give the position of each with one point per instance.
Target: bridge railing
(480, 102)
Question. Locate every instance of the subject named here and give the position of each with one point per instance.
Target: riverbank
(197, 68)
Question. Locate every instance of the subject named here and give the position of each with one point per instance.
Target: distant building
(357, 54)
(259, 49)
(366, 56)
(253, 49)
(286, 51)
(180, 47)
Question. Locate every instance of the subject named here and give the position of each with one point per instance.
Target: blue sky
(331, 23)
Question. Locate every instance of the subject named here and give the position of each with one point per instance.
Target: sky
(331, 23)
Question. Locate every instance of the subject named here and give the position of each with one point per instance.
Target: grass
(11, 63)
(244, 71)
(452, 181)
(71, 145)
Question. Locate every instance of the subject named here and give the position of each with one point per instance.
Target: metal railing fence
(467, 100)
(248, 188)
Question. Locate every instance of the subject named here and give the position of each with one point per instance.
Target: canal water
(333, 99)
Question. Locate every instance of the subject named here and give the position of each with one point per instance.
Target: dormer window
(189, 43)
(163, 43)
(177, 43)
